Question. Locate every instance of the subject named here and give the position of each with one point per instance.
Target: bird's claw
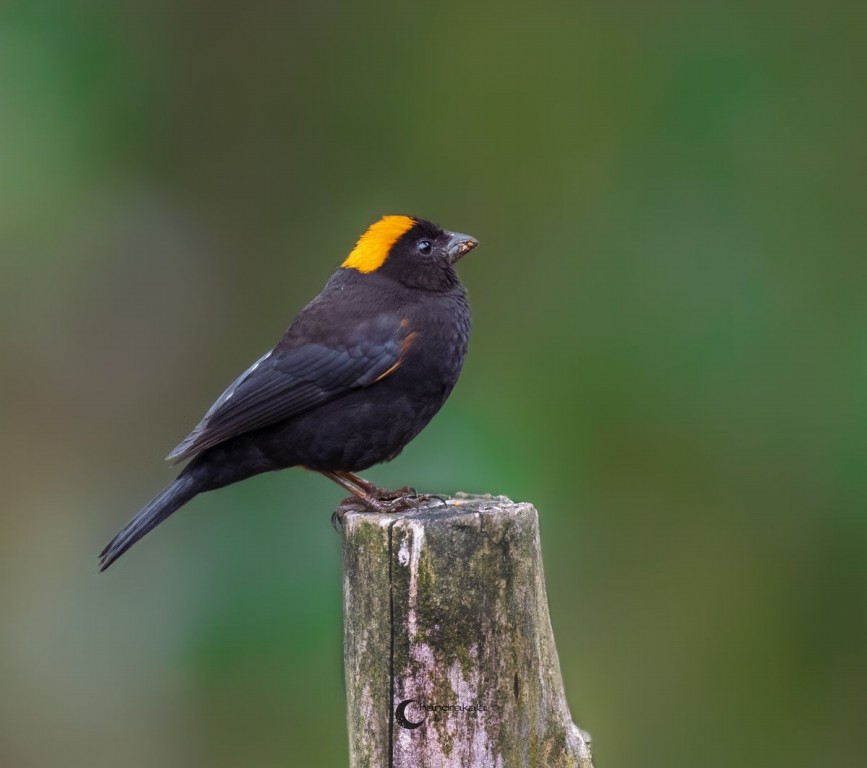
(383, 494)
(405, 499)
(384, 502)
(337, 518)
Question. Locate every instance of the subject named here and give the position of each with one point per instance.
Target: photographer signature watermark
(412, 713)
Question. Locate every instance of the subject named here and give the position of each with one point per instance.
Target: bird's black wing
(293, 378)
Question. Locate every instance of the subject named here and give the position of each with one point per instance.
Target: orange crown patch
(373, 246)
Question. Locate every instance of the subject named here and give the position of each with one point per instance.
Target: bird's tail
(158, 509)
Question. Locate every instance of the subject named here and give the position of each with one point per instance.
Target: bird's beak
(460, 245)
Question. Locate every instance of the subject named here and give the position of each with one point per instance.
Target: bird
(358, 374)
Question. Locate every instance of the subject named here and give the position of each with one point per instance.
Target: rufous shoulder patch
(373, 246)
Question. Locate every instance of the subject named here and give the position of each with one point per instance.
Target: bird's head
(413, 251)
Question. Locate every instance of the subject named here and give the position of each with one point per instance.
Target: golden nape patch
(373, 246)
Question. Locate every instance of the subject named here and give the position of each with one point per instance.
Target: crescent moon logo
(402, 720)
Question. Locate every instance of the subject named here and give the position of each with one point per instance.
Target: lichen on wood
(449, 654)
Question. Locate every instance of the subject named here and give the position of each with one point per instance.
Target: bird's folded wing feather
(292, 379)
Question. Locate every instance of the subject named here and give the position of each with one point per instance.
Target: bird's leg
(371, 496)
(376, 491)
(356, 490)
(365, 485)
(344, 482)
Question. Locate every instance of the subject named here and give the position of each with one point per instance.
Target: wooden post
(449, 655)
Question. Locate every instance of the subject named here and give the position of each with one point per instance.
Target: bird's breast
(438, 333)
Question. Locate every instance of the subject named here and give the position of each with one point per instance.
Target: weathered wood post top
(449, 655)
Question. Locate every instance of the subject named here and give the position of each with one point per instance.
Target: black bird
(359, 373)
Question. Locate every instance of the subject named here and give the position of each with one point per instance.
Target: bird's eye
(424, 247)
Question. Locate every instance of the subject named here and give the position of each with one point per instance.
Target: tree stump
(448, 649)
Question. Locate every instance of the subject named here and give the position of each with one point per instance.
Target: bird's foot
(419, 499)
(401, 500)
(383, 494)
(383, 502)
(354, 503)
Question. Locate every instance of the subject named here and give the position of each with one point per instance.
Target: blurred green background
(669, 358)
